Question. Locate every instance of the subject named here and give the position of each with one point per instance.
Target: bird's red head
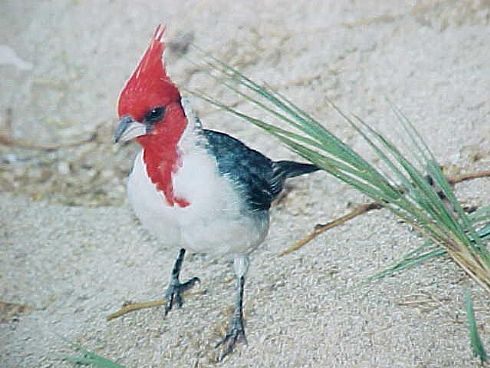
(149, 97)
(149, 87)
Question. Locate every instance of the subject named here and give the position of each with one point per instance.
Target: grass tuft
(408, 180)
(415, 190)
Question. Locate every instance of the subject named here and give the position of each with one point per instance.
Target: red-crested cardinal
(195, 188)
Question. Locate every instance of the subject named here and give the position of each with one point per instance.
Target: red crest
(149, 86)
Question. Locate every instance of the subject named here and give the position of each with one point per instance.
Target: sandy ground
(71, 251)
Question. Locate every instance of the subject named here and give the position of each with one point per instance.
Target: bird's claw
(235, 334)
(173, 294)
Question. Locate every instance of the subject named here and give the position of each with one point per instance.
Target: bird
(193, 188)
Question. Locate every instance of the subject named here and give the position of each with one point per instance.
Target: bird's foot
(173, 294)
(235, 334)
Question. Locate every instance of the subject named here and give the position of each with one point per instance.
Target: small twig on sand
(131, 307)
(468, 176)
(367, 207)
(321, 228)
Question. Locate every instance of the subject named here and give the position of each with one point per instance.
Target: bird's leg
(236, 330)
(173, 294)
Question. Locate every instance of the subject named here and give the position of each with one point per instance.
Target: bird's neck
(161, 153)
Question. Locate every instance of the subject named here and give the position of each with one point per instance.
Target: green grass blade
(89, 358)
(428, 251)
(442, 182)
(420, 255)
(484, 232)
(476, 343)
(482, 214)
(93, 360)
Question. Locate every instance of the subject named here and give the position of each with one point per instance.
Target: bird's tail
(290, 169)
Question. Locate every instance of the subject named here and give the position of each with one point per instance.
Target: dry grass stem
(133, 307)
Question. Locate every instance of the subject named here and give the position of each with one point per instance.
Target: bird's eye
(154, 115)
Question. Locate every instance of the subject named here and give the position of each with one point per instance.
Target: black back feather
(254, 175)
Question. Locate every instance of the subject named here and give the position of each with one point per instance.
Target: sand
(72, 252)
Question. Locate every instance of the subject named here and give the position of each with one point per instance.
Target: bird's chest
(212, 201)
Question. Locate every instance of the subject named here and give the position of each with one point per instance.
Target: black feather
(289, 169)
(254, 175)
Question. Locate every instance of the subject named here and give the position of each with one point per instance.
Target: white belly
(215, 222)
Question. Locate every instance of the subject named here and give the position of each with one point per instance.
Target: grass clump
(409, 182)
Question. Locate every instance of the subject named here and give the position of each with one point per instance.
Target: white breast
(215, 222)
